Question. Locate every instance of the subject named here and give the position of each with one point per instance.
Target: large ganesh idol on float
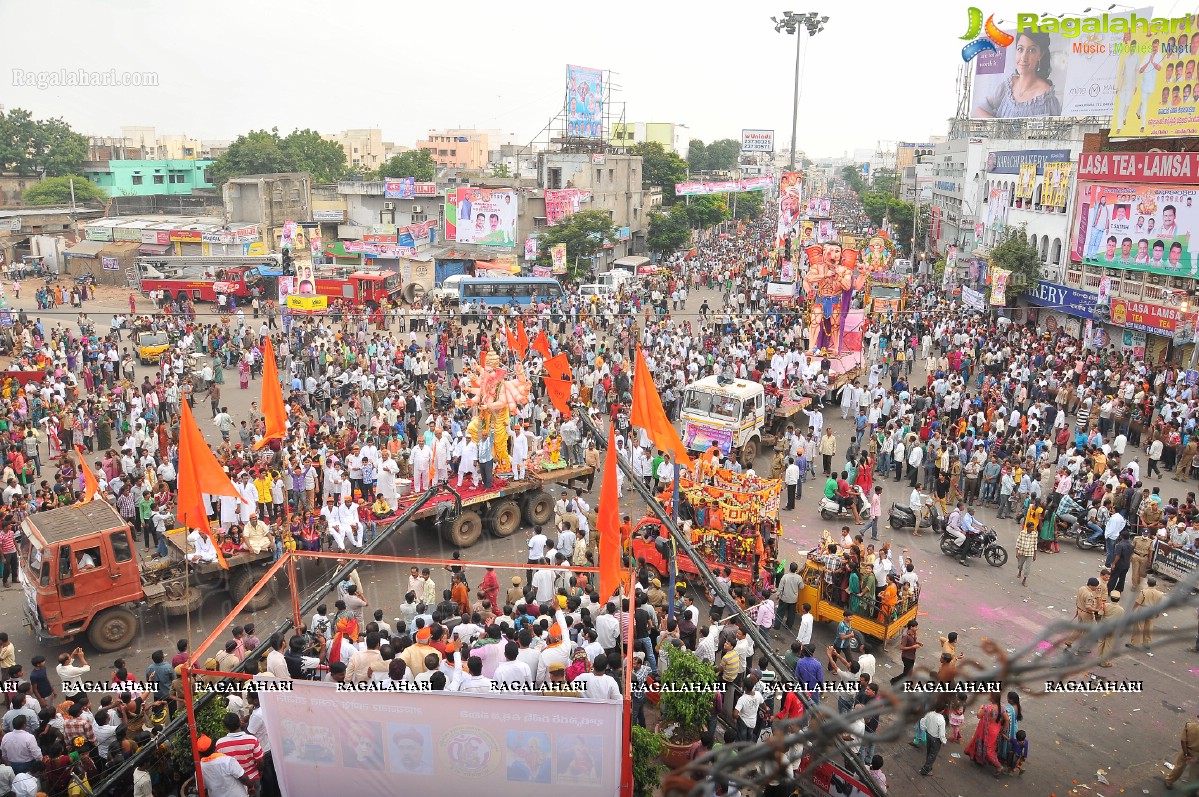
(832, 278)
(495, 399)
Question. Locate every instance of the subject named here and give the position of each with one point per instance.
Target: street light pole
(792, 23)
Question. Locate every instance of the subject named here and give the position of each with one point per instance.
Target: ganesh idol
(496, 397)
(831, 280)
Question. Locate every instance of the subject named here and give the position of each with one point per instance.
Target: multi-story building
(269, 200)
(365, 148)
(149, 177)
(673, 137)
(179, 147)
(459, 149)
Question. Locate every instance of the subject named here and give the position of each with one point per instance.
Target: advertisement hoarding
(725, 187)
(1055, 188)
(561, 203)
(1157, 92)
(790, 204)
(757, 141)
(399, 188)
(1069, 80)
(972, 298)
(700, 437)
(1173, 168)
(1137, 227)
(584, 102)
(1009, 161)
(451, 215)
(1156, 319)
(486, 217)
(820, 207)
(1062, 298)
(1026, 183)
(999, 279)
(558, 258)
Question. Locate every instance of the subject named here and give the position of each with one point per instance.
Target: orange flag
(558, 367)
(559, 393)
(608, 525)
(522, 338)
(541, 344)
(199, 474)
(91, 487)
(513, 345)
(647, 413)
(272, 399)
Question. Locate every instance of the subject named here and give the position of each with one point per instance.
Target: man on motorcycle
(846, 496)
(1097, 519)
(916, 504)
(1069, 510)
(953, 527)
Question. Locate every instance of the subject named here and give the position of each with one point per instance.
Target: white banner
(442, 743)
(972, 298)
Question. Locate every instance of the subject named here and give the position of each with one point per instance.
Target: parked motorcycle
(831, 510)
(980, 544)
(902, 518)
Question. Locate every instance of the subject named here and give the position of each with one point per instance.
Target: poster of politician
(486, 217)
(584, 102)
(1138, 227)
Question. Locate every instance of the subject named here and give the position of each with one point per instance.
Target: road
(1071, 737)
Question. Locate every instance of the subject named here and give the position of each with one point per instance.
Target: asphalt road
(1128, 736)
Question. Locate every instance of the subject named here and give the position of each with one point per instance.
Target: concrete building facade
(149, 177)
(269, 200)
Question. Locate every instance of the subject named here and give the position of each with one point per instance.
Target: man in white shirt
(536, 542)
(67, 671)
(933, 727)
(543, 582)
(805, 625)
(223, 776)
(601, 686)
(607, 628)
(747, 710)
(513, 671)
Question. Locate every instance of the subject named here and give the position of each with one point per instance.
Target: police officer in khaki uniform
(1142, 637)
(1188, 756)
(1142, 549)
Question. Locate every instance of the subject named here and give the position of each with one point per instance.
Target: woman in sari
(983, 745)
(243, 372)
(854, 588)
(1012, 717)
(865, 478)
(1047, 537)
(887, 601)
(218, 371)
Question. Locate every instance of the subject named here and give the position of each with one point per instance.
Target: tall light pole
(793, 23)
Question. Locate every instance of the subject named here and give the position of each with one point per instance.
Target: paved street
(1071, 737)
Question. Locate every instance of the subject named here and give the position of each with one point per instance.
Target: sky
(880, 71)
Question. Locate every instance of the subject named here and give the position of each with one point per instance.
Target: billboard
(558, 258)
(790, 198)
(1137, 227)
(561, 203)
(1026, 183)
(1155, 319)
(693, 188)
(820, 207)
(399, 188)
(485, 217)
(1157, 92)
(1055, 188)
(757, 141)
(1053, 72)
(1010, 161)
(584, 102)
(322, 739)
(450, 215)
(1062, 298)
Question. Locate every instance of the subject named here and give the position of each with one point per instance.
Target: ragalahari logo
(994, 36)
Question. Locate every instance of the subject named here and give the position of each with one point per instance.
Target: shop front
(1154, 332)
(1059, 307)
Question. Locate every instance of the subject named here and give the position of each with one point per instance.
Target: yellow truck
(150, 346)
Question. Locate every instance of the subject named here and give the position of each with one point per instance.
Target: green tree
(57, 191)
(708, 211)
(308, 152)
(500, 170)
(723, 155)
(669, 231)
(256, 152)
(32, 146)
(660, 168)
(1015, 254)
(415, 163)
(853, 177)
(584, 234)
(697, 155)
(749, 205)
(885, 181)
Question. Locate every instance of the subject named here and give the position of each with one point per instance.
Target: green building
(149, 178)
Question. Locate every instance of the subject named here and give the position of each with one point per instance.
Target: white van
(448, 291)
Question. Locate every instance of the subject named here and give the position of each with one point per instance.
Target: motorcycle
(831, 510)
(1083, 540)
(902, 518)
(979, 544)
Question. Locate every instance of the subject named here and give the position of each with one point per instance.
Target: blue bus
(500, 291)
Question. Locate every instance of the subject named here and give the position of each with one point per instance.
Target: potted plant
(686, 710)
(647, 770)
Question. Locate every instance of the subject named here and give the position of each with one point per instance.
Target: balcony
(1134, 286)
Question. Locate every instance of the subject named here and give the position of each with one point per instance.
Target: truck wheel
(112, 629)
(749, 452)
(241, 582)
(539, 508)
(504, 519)
(179, 608)
(465, 531)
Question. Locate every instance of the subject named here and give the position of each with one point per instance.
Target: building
(673, 137)
(365, 148)
(149, 177)
(43, 232)
(143, 143)
(460, 149)
(270, 201)
(908, 154)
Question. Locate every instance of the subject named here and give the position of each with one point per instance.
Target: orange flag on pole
(557, 367)
(91, 487)
(608, 525)
(272, 398)
(559, 392)
(647, 413)
(199, 474)
(522, 338)
(541, 344)
(512, 344)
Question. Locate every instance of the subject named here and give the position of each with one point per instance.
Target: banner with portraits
(1027, 181)
(1055, 187)
(1137, 227)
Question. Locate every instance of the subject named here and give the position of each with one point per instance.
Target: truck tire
(539, 508)
(749, 452)
(504, 518)
(242, 581)
(179, 608)
(465, 531)
(112, 629)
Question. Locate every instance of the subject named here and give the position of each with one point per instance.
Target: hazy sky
(881, 70)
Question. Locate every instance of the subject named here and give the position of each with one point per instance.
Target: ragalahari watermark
(82, 78)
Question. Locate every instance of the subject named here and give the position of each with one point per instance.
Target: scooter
(831, 510)
(979, 544)
(902, 518)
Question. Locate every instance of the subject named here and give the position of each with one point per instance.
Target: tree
(853, 176)
(1015, 254)
(308, 152)
(723, 155)
(500, 170)
(32, 146)
(697, 155)
(660, 168)
(57, 191)
(256, 152)
(415, 163)
(708, 211)
(749, 205)
(885, 181)
(670, 231)
(584, 234)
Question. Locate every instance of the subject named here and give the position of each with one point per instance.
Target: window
(87, 559)
(66, 588)
(443, 152)
(599, 176)
(611, 175)
(355, 150)
(418, 217)
(177, 178)
(137, 179)
(295, 195)
(207, 176)
(553, 177)
(539, 223)
(159, 179)
(454, 153)
(122, 549)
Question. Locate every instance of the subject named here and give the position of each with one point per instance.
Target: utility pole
(792, 23)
